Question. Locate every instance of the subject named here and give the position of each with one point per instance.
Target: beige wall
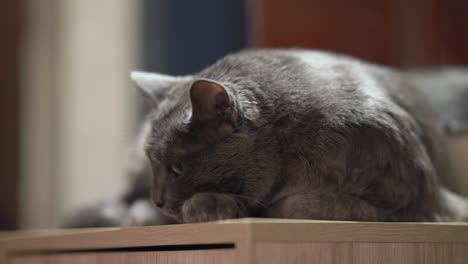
(78, 104)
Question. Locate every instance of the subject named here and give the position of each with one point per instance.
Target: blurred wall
(10, 29)
(79, 105)
(401, 33)
(183, 37)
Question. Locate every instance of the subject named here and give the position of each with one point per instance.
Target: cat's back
(306, 78)
(342, 90)
(299, 88)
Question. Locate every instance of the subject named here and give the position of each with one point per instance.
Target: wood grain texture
(322, 231)
(112, 238)
(234, 231)
(257, 239)
(190, 257)
(361, 253)
(129, 237)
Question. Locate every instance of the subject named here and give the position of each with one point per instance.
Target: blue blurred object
(183, 37)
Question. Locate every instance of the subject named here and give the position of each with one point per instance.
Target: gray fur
(304, 134)
(303, 145)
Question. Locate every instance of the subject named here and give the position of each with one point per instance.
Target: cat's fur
(292, 134)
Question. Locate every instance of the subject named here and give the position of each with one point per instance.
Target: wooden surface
(251, 240)
(196, 256)
(362, 253)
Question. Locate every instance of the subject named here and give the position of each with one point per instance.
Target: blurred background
(69, 113)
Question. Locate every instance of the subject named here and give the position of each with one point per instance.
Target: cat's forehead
(168, 123)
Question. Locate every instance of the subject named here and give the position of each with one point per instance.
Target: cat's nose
(160, 203)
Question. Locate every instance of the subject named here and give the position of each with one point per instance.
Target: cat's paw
(205, 207)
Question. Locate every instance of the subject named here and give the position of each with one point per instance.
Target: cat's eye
(177, 168)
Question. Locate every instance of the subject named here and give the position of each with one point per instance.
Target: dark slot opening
(130, 249)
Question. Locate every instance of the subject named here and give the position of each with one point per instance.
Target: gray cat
(287, 134)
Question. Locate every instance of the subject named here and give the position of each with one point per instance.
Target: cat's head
(201, 139)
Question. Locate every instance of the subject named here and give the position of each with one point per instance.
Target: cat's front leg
(204, 207)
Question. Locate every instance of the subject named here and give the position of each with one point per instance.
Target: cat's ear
(153, 85)
(211, 102)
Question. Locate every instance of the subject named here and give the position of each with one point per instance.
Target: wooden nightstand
(245, 241)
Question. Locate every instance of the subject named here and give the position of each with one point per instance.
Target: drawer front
(145, 257)
(362, 253)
